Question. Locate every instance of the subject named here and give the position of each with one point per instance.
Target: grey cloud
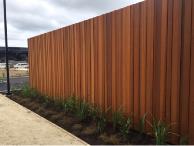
(97, 6)
(27, 18)
(31, 23)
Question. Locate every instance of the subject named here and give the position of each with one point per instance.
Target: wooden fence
(140, 58)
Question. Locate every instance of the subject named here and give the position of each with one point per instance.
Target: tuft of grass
(99, 117)
(29, 92)
(69, 105)
(125, 125)
(46, 100)
(82, 110)
(93, 112)
(101, 122)
(161, 131)
(142, 123)
(117, 117)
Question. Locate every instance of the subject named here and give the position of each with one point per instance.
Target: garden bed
(84, 129)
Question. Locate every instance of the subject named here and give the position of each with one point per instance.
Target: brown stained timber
(139, 58)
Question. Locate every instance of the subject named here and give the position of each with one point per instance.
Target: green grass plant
(100, 117)
(69, 105)
(125, 125)
(161, 131)
(142, 123)
(82, 110)
(117, 117)
(29, 92)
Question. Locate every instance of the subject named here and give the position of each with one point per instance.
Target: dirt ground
(13, 73)
(85, 130)
(20, 126)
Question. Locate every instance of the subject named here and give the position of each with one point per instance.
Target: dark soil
(85, 130)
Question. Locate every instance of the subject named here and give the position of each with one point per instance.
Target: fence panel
(139, 58)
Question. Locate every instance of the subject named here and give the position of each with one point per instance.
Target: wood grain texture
(185, 66)
(139, 58)
(191, 97)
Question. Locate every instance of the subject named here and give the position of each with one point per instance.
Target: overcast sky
(27, 18)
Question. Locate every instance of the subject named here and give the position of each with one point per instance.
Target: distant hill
(15, 53)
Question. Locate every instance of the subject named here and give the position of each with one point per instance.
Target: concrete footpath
(20, 126)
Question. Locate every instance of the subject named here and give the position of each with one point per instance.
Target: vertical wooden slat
(73, 60)
(57, 69)
(150, 57)
(78, 59)
(83, 62)
(157, 57)
(96, 70)
(185, 67)
(126, 76)
(68, 63)
(169, 62)
(131, 107)
(100, 63)
(191, 101)
(48, 92)
(109, 58)
(176, 49)
(113, 40)
(143, 54)
(118, 51)
(65, 62)
(52, 65)
(136, 62)
(105, 100)
(92, 62)
(38, 65)
(62, 70)
(163, 59)
(44, 65)
(88, 60)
